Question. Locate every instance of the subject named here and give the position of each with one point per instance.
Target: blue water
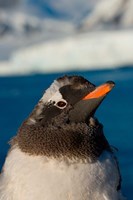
(18, 96)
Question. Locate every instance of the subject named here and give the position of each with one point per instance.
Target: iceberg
(94, 50)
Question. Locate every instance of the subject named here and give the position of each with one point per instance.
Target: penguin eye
(61, 104)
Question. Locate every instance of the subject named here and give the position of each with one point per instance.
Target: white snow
(30, 44)
(94, 50)
(118, 13)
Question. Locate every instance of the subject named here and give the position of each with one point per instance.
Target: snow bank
(95, 50)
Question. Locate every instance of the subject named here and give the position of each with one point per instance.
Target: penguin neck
(72, 140)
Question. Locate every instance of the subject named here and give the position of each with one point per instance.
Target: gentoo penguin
(60, 151)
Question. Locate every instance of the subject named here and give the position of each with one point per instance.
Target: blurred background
(41, 40)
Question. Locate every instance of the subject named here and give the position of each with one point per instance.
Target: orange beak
(100, 91)
(87, 106)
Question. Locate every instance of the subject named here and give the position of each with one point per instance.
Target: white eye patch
(58, 100)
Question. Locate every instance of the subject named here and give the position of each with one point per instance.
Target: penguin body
(37, 177)
(60, 151)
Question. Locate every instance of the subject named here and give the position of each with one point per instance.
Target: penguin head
(70, 97)
(62, 123)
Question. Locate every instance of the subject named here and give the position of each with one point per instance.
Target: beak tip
(111, 83)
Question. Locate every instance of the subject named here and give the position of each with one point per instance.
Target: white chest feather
(35, 177)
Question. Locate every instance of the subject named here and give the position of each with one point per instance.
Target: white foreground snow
(94, 50)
